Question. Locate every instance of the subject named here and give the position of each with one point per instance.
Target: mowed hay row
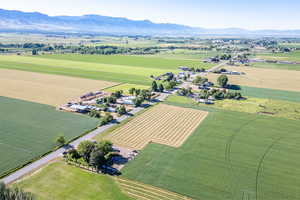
(142, 191)
(264, 78)
(53, 90)
(163, 124)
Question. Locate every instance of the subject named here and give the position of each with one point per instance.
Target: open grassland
(162, 124)
(125, 88)
(292, 56)
(46, 89)
(230, 156)
(277, 66)
(286, 109)
(290, 45)
(28, 130)
(125, 69)
(270, 94)
(264, 78)
(270, 107)
(60, 181)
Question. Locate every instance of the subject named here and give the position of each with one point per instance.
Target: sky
(249, 14)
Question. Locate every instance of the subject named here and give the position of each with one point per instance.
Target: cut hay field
(163, 124)
(230, 156)
(28, 130)
(124, 69)
(46, 89)
(264, 78)
(60, 181)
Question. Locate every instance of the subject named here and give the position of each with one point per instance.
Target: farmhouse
(184, 68)
(79, 108)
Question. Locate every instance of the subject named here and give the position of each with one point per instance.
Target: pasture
(276, 108)
(124, 69)
(266, 93)
(292, 56)
(29, 130)
(163, 124)
(277, 66)
(60, 181)
(264, 78)
(46, 89)
(230, 156)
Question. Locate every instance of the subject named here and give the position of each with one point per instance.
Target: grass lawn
(28, 130)
(60, 181)
(231, 156)
(125, 88)
(277, 66)
(124, 69)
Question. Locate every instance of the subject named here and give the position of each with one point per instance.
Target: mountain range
(34, 22)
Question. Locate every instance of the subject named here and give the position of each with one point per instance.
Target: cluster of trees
(223, 81)
(14, 193)
(90, 154)
(104, 119)
(121, 110)
(225, 57)
(141, 96)
(200, 80)
(157, 88)
(169, 85)
(220, 94)
(185, 92)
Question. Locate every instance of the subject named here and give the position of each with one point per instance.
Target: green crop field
(28, 130)
(125, 69)
(60, 181)
(231, 156)
(277, 66)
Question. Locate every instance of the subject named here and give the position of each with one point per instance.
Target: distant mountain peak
(18, 21)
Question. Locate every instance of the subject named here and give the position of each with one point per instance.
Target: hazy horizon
(257, 15)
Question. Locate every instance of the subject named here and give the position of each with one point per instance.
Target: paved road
(58, 153)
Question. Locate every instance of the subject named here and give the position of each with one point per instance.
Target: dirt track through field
(163, 124)
(264, 78)
(46, 89)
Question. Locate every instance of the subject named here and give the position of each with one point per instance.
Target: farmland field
(276, 108)
(46, 89)
(124, 69)
(163, 124)
(264, 78)
(266, 93)
(277, 66)
(28, 130)
(292, 56)
(60, 181)
(230, 156)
